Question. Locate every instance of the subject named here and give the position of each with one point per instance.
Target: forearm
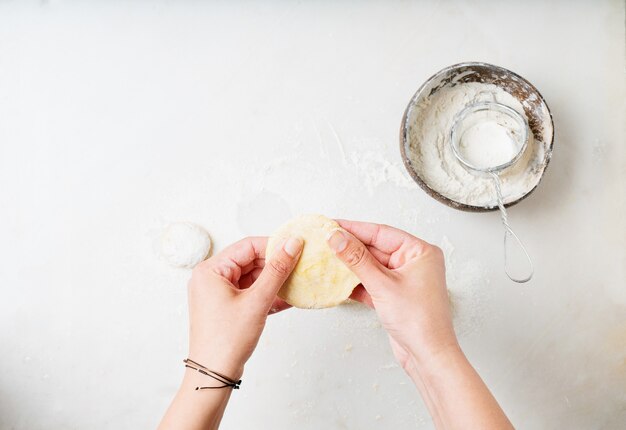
(454, 393)
(194, 409)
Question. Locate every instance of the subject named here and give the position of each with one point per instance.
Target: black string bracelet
(225, 380)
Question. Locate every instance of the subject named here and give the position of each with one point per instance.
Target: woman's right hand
(403, 278)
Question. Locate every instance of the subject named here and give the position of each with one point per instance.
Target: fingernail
(337, 240)
(293, 246)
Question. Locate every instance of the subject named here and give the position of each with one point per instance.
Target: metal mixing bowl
(535, 108)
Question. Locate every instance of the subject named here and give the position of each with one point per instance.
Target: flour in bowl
(428, 125)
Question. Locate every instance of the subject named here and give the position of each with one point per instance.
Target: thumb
(353, 253)
(278, 269)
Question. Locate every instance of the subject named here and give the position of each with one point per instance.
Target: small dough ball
(320, 279)
(184, 244)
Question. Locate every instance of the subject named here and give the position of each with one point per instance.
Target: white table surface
(118, 118)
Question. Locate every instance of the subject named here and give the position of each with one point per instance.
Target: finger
(231, 262)
(381, 256)
(360, 294)
(256, 272)
(383, 237)
(244, 282)
(257, 263)
(399, 245)
(248, 279)
(353, 253)
(278, 268)
(278, 305)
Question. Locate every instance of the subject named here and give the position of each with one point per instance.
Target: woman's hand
(404, 280)
(230, 296)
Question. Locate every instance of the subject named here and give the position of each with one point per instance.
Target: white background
(119, 117)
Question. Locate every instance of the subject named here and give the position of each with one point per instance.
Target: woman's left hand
(230, 296)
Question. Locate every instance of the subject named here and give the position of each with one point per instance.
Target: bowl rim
(404, 140)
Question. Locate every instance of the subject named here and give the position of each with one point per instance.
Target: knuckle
(355, 256)
(205, 271)
(434, 251)
(198, 272)
(279, 267)
(209, 262)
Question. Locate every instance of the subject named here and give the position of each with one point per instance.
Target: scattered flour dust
(377, 170)
(468, 290)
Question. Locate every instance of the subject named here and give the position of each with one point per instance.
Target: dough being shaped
(320, 279)
(184, 244)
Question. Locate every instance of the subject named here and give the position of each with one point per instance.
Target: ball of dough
(184, 244)
(320, 279)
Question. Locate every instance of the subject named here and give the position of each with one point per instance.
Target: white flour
(468, 288)
(377, 169)
(429, 124)
(488, 141)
